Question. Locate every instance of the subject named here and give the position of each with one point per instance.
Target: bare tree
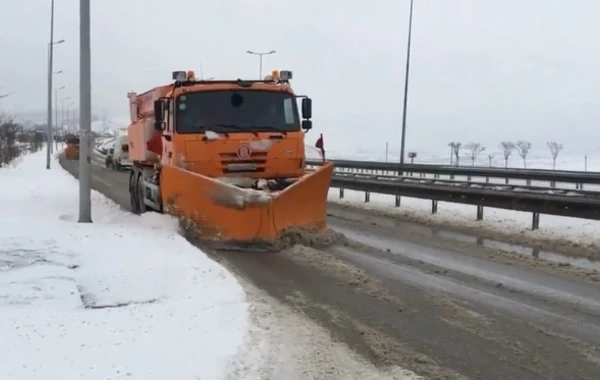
(9, 133)
(456, 150)
(507, 148)
(555, 149)
(474, 150)
(523, 148)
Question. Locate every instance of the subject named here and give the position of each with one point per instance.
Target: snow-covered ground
(124, 297)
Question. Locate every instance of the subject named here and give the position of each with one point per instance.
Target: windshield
(237, 111)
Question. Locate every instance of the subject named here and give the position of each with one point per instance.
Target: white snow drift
(124, 297)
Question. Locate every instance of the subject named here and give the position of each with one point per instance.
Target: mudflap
(231, 218)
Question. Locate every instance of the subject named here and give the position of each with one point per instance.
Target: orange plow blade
(226, 213)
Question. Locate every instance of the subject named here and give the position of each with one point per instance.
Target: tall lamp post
(403, 139)
(85, 104)
(50, 64)
(260, 59)
(56, 90)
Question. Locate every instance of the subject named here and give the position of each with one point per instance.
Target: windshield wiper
(234, 126)
(270, 128)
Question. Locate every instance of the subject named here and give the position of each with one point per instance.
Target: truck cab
(224, 128)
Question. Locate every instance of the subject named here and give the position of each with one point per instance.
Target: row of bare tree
(14, 141)
(474, 150)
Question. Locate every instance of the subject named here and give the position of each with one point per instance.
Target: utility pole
(260, 65)
(49, 105)
(85, 104)
(403, 139)
(55, 113)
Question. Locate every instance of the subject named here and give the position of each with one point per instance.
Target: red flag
(320, 145)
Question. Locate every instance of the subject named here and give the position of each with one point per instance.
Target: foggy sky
(482, 70)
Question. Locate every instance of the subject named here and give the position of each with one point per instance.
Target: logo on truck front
(244, 152)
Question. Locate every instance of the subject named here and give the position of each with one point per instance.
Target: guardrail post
(468, 178)
(436, 176)
(487, 179)
(341, 193)
(552, 184)
(479, 212)
(367, 197)
(506, 181)
(397, 204)
(528, 182)
(434, 206)
(535, 224)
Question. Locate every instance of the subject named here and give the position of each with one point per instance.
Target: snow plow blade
(236, 218)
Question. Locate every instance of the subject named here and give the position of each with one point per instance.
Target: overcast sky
(482, 70)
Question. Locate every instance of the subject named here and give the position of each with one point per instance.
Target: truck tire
(142, 208)
(133, 192)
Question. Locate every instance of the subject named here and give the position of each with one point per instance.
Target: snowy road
(442, 308)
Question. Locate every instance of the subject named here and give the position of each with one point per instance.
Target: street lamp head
(60, 42)
(57, 72)
(250, 52)
(272, 52)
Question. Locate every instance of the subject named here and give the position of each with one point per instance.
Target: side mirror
(159, 111)
(307, 125)
(306, 108)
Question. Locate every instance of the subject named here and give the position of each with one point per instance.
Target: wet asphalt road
(399, 295)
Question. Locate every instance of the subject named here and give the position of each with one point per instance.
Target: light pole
(50, 63)
(49, 132)
(6, 95)
(261, 59)
(403, 139)
(85, 111)
(56, 90)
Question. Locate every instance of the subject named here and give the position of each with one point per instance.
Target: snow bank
(125, 297)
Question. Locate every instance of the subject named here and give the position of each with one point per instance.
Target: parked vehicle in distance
(118, 155)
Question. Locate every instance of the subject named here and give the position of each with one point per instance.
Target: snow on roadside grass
(125, 296)
(512, 225)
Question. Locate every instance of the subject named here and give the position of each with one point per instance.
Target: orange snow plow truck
(232, 161)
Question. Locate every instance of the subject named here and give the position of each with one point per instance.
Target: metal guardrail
(585, 205)
(474, 184)
(551, 176)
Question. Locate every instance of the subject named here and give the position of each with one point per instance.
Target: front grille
(254, 164)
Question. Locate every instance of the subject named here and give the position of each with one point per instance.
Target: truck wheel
(133, 193)
(140, 194)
